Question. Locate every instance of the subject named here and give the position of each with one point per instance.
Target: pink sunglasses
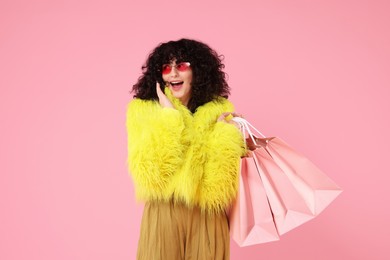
(182, 66)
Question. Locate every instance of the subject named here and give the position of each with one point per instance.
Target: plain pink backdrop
(315, 73)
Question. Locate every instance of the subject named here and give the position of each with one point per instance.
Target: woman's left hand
(222, 118)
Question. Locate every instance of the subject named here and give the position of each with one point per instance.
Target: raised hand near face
(163, 99)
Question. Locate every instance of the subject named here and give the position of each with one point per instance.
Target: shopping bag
(317, 189)
(288, 208)
(296, 189)
(250, 217)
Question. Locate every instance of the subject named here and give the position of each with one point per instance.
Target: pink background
(315, 73)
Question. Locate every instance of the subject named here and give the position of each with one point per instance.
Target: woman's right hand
(163, 99)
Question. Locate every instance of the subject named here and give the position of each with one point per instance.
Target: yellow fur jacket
(174, 154)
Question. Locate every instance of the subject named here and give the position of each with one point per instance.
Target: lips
(176, 85)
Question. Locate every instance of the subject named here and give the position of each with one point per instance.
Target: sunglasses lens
(166, 69)
(183, 66)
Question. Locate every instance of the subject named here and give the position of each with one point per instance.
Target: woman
(183, 153)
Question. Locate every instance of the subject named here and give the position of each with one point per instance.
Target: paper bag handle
(245, 126)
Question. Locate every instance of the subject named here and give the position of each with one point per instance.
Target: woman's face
(178, 78)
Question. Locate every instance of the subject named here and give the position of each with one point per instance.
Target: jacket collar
(205, 114)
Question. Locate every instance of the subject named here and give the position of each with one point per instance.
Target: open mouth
(176, 85)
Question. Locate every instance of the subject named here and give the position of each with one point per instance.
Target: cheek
(189, 77)
(165, 78)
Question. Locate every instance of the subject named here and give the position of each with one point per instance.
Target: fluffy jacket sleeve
(225, 147)
(154, 148)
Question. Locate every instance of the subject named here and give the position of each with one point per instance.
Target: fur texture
(173, 153)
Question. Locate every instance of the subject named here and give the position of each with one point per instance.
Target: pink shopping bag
(314, 186)
(288, 208)
(296, 189)
(250, 218)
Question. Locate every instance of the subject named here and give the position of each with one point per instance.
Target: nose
(174, 72)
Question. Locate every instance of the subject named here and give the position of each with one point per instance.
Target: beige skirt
(175, 232)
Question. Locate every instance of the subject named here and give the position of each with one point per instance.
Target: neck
(185, 101)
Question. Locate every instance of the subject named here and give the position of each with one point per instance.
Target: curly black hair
(208, 80)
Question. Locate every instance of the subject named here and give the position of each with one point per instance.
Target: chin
(177, 96)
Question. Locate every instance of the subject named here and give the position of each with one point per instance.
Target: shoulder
(220, 104)
(227, 104)
(137, 102)
(150, 111)
(210, 111)
(138, 105)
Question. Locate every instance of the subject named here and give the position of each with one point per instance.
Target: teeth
(176, 83)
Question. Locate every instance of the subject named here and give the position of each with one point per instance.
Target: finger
(225, 114)
(222, 116)
(237, 115)
(158, 89)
